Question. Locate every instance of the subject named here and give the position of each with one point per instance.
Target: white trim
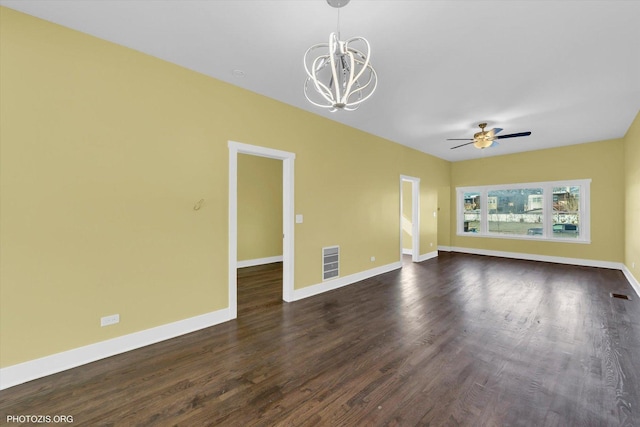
(427, 256)
(340, 282)
(48, 365)
(509, 186)
(415, 216)
(632, 280)
(259, 261)
(288, 225)
(495, 235)
(233, 232)
(407, 251)
(288, 217)
(545, 258)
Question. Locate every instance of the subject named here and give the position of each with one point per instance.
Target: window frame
(547, 219)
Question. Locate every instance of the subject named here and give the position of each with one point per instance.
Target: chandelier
(340, 77)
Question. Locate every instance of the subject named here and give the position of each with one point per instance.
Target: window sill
(529, 238)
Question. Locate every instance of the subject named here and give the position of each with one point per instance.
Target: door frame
(288, 159)
(415, 216)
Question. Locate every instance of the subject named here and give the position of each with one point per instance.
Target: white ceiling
(568, 71)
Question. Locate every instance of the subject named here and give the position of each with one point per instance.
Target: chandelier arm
(360, 90)
(351, 80)
(312, 101)
(364, 67)
(321, 88)
(372, 75)
(316, 46)
(353, 50)
(322, 92)
(332, 53)
(359, 101)
(375, 85)
(353, 60)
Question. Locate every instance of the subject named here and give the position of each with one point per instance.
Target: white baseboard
(545, 258)
(339, 282)
(407, 251)
(632, 280)
(560, 260)
(427, 256)
(48, 365)
(259, 261)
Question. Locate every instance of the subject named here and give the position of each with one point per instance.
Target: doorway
(287, 158)
(410, 217)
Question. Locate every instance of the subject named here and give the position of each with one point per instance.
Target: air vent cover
(330, 262)
(621, 296)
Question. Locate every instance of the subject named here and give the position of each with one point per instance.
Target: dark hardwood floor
(457, 340)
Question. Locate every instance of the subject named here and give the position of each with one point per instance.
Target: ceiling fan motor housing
(484, 139)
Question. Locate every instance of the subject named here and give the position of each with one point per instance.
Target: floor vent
(330, 262)
(621, 296)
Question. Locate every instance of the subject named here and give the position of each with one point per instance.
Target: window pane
(517, 211)
(471, 219)
(566, 212)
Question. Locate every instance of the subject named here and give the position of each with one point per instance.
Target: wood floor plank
(457, 340)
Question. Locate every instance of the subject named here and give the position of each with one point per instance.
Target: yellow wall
(632, 198)
(600, 161)
(259, 207)
(104, 153)
(407, 202)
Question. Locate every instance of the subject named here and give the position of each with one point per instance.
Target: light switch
(298, 219)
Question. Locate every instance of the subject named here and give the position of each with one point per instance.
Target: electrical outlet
(431, 244)
(373, 259)
(633, 265)
(110, 320)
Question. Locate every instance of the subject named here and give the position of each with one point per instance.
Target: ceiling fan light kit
(341, 76)
(483, 139)
(486, 138)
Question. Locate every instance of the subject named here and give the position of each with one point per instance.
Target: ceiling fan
(487, 138)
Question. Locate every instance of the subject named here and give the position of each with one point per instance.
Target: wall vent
(330, 262)
(621, 296)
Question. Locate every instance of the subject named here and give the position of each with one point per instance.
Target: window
(553, 211)
(566, 212)
(512, 213)
(471, 212)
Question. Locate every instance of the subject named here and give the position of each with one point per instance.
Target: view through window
(517, 211)
(546, 211)
(566, 211)
(471, 212)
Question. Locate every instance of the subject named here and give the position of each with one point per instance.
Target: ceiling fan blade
(463, 139)
(497, 130)
(513, 135)
(458, 146)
